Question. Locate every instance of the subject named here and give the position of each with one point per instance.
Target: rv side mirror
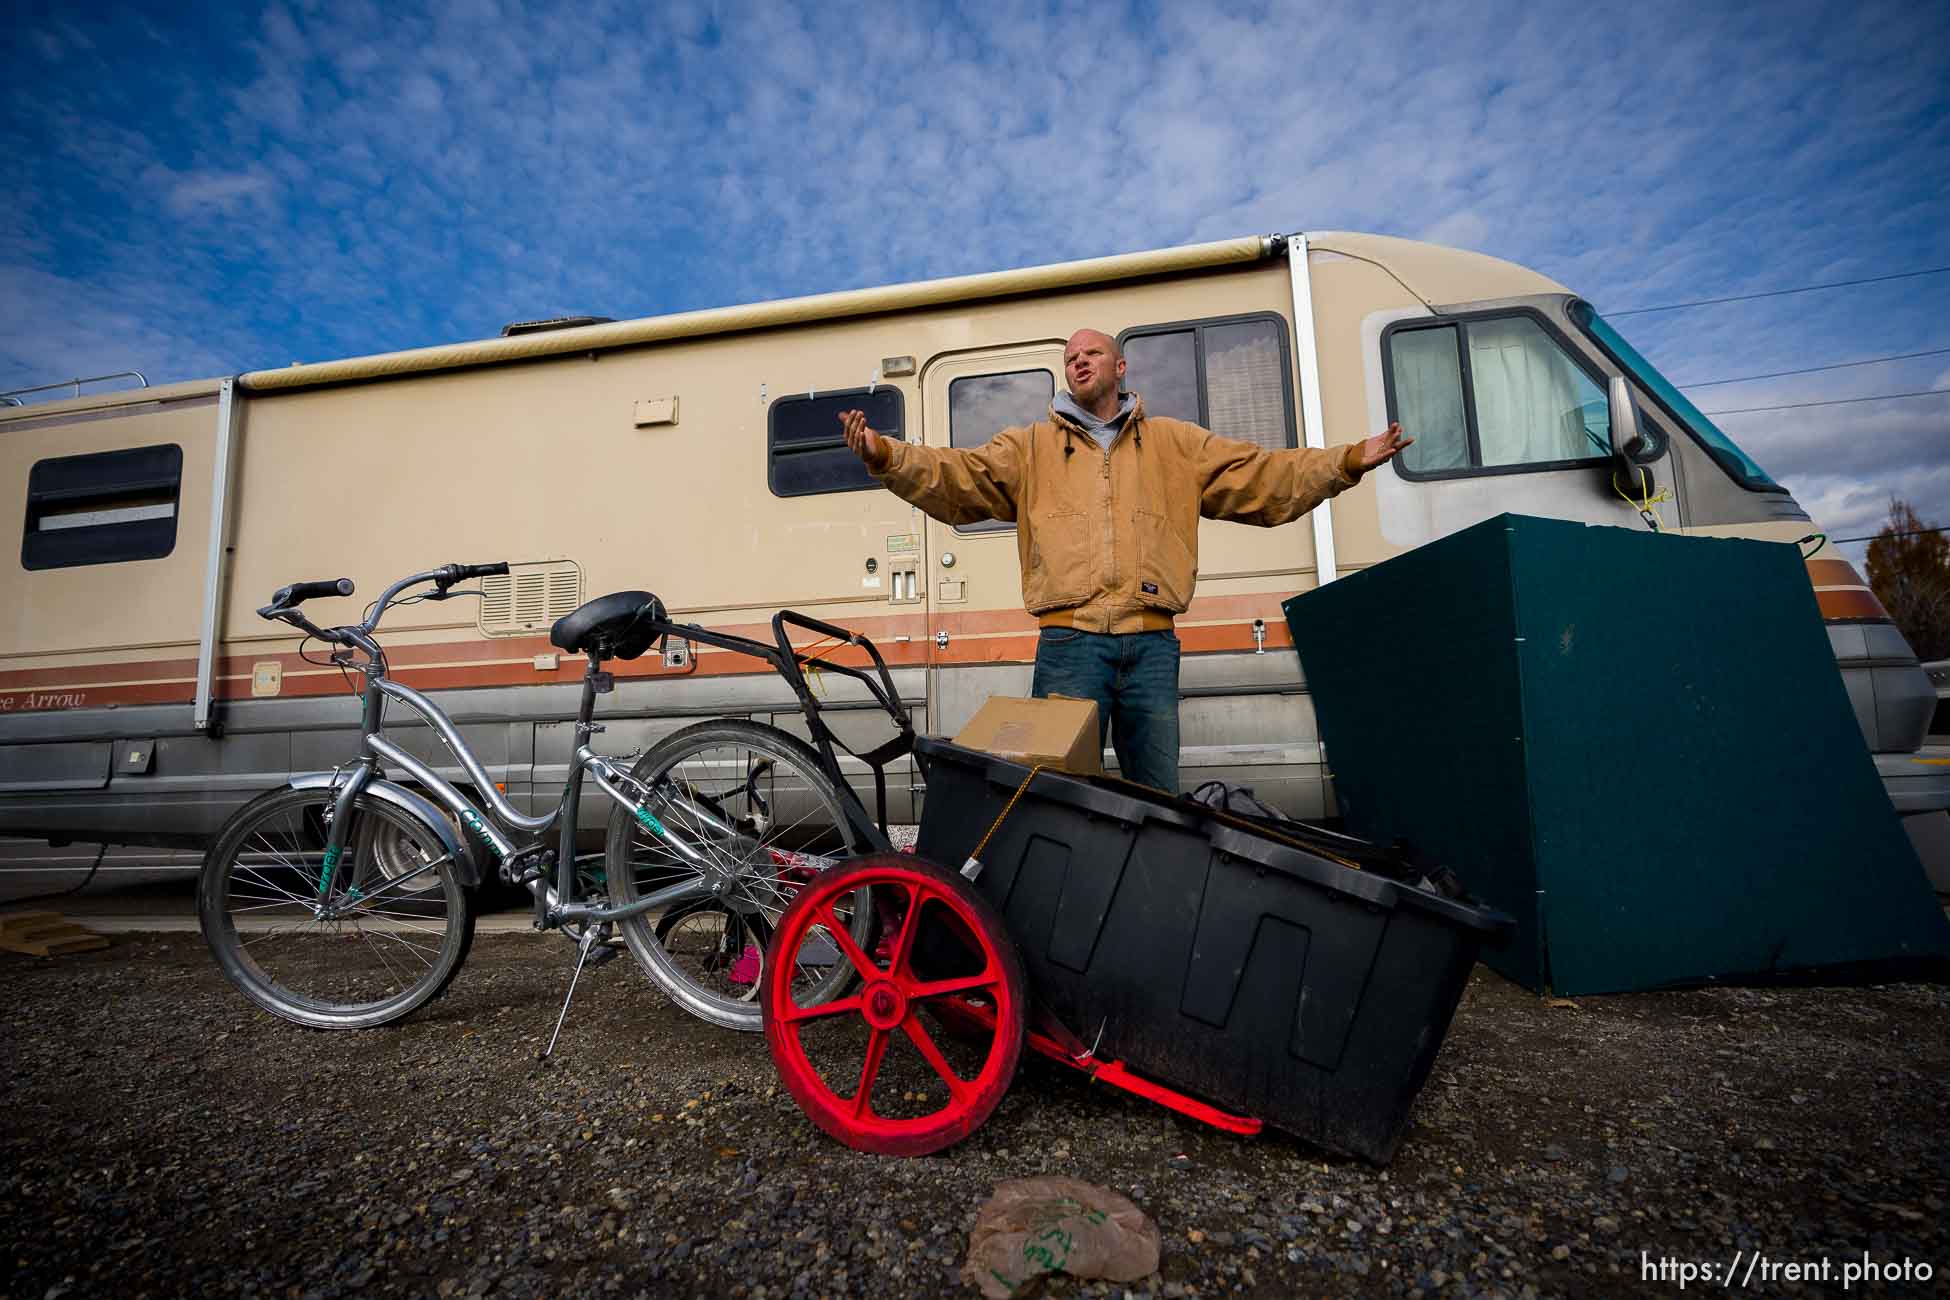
(1631, 480)
(1627, 443)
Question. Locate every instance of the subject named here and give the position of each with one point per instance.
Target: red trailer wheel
(867, 1067)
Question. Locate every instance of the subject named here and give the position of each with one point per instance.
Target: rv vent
(529, 597)
(552, 323)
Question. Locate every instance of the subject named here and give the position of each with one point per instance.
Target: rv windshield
(1722, 448)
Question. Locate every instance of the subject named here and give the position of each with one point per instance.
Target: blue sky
(198, 191)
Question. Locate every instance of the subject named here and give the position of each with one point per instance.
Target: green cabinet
(1636, 744)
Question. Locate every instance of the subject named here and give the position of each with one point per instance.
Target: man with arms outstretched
(1106, 502)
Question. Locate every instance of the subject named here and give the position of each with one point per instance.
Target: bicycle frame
(491, 830)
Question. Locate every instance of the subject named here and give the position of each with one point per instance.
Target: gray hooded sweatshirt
(1104, 431)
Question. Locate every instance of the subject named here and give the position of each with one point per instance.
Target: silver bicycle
(342, 900)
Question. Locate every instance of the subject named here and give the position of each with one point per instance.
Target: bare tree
(1909, 568)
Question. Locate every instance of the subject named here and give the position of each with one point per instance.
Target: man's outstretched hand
(864, 442)
(1381, 448)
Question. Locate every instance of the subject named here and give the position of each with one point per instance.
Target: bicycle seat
(621, 625)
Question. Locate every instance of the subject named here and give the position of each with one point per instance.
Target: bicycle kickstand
(593, 937)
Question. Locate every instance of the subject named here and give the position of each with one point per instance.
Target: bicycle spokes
(722, 947)
(759, 833)
(333, 939)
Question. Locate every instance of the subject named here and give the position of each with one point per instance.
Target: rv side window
(1231, 375)
(981, 406)
(806, 453)
(1491, 394)
(102, 508)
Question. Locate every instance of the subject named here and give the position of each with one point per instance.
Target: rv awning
(786, 311)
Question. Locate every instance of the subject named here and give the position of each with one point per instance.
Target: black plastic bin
(1258, 975)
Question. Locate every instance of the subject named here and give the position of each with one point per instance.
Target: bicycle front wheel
(765, 819)
(373, 937)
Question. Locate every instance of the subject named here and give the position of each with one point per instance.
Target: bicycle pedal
(604, 953)
(526, 868)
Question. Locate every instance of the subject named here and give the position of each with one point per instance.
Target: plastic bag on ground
(1050, 1225)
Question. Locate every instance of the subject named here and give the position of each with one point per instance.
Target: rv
(698, 456)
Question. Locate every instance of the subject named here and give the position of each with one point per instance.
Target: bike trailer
(1275, 973)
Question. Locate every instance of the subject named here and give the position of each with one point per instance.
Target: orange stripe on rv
(91, 697)
(1842, 595)
(1204, 609)
(88, 674)
(1851, 603)
(1833, 573)
(434, 667)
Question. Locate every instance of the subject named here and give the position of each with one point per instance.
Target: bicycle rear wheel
(758, 806)
(370, 939)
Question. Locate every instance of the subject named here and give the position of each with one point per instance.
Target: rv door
(983, 641)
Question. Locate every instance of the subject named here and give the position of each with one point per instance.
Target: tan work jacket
(1108, 538)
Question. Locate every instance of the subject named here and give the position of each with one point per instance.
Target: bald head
(1098, 337)
(1093, 366)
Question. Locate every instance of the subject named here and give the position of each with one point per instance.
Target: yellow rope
(810, 653)
(973, 867)
(1647, 505)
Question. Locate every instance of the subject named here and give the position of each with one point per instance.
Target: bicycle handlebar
(285, 601)
(452, 573)
(290, 597)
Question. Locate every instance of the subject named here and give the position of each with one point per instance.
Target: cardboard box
(1057, 732)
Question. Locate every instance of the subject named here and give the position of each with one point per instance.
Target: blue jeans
(1134, 679)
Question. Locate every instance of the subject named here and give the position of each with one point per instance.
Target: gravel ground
(161, 1137)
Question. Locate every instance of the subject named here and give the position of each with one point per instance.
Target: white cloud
(104, 328)
(1463, 229)
(199, 195)
(57, 38)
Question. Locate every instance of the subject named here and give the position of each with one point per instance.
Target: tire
(392, 948)
(707, 955)
(867, 1068)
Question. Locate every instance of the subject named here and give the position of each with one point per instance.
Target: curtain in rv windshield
(1429, 399)
(1531, 401)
